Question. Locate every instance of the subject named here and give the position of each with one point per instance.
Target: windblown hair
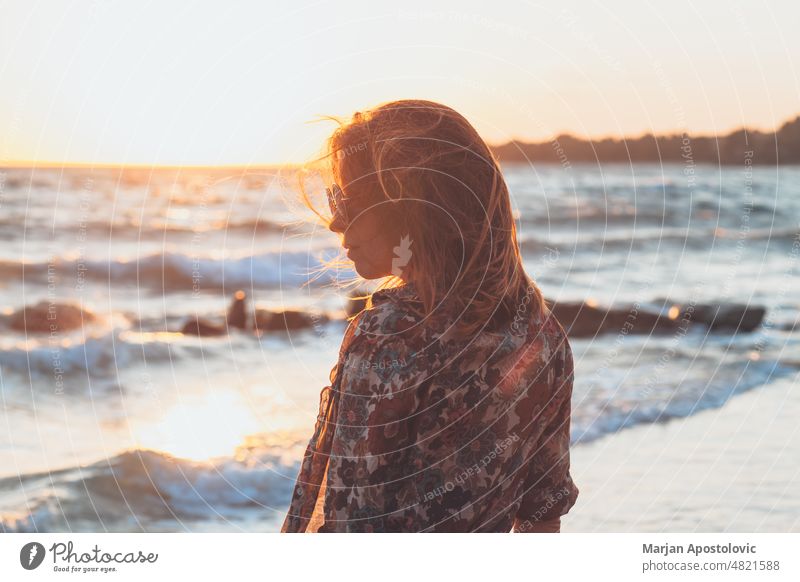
(449, 195)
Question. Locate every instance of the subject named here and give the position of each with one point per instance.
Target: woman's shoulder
(394, 310)
(385, 343)
(394, 316)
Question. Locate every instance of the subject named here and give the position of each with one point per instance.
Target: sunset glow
(200, 428)
(207, 83)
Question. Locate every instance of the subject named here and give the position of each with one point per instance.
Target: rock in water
(46, 317)
(202, 328)
(585, 320)
(237, 312)
(736, 317)
(285, 320)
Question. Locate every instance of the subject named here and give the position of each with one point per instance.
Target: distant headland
(778, 147)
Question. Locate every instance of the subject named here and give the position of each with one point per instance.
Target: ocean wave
(17, 226)
(76, 358)
(174, 271)
(102, 355)
(622, 398)
(651, 238)
(61, 358)
(148, 490)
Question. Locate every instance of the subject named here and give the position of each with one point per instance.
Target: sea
(126, 424)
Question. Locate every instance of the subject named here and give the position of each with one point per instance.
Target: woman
(449, 407)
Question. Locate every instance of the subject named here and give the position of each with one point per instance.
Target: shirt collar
(406, 291)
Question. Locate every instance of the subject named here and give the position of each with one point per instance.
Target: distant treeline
(780, 147)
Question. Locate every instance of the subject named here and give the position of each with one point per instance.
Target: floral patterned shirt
(419, 431)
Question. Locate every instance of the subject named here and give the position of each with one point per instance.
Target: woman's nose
(337, 225)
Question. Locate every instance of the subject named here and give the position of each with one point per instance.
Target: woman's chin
(366, 271)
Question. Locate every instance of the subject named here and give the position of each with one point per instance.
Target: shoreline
(729, 469)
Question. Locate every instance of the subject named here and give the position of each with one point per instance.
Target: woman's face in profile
(368, 235)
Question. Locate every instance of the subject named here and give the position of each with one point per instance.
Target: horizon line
(51, 164)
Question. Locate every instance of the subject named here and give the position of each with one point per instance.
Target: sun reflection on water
(200, 428)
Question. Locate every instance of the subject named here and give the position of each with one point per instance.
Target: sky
(245, 83)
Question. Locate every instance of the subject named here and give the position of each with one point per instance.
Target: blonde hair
(449, 195)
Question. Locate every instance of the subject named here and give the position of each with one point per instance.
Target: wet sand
(733, 469)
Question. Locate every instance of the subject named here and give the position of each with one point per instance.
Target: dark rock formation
(584, 320)
(290, 320)
(202, 328)
(579, 319)
(45, 317)
(733, 317)
(790, 326)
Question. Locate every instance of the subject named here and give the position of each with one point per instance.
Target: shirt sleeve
(549, 491)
